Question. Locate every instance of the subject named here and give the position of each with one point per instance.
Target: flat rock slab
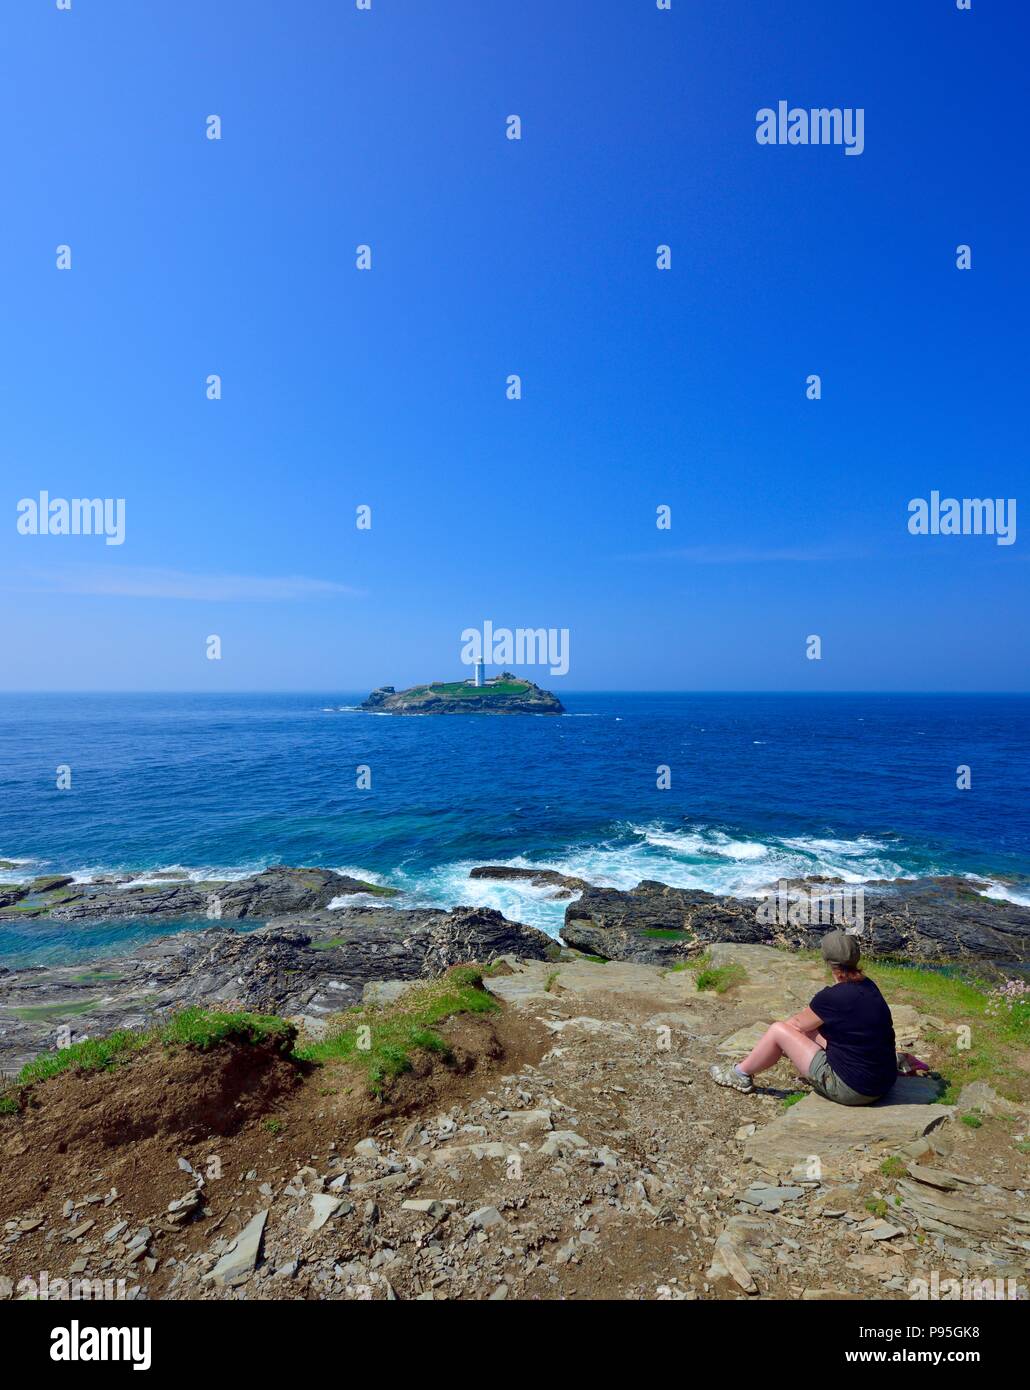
(740, 1043)
(384, 992)
(239, 1261)
(323, 1206)
(740, 1251)
(533, 981)
(777, 983)
(816, 1128)
(981, 1213)
(768, 1198)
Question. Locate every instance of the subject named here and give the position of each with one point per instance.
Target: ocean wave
(1006, 893)
(701, 857)
(22, 871)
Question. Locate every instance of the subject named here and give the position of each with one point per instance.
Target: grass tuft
(381, 1043)
(203, 1028)
(720, 978)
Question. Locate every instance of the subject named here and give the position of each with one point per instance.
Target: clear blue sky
(490, 257)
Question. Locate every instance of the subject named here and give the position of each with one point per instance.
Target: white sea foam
(449, 885)
(701, 857)
(1006, 893)
(185, 873)
(21, 873)
(362, 899)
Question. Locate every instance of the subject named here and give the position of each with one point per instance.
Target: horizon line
(611, 690)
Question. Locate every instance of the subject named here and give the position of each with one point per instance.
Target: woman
(843, 1042)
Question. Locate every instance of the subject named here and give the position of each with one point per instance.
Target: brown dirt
(245, 1106)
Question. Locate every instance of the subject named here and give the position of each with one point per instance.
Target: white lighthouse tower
(478, 677)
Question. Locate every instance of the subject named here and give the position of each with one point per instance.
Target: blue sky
(490, 257)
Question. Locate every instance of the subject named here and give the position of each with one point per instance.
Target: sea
(726, 792)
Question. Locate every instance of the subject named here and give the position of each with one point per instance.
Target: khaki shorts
(826, 1081)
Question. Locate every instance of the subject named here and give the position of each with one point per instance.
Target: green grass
(94, 976)
(95, 1054)
(973, 1121)
(877, 1206)
(720, 978)
(458, 690)
(997, 1040)
(330, 944)
(201, 1028)
(38, 1013)
(196, 1027)
(664, 933)
(381, 1044)
(792, 1099)
(395, 1034)
(893, 1167)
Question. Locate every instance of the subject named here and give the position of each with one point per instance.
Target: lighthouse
(478, 677)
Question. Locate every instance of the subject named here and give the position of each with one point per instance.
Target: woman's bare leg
(781, 1040)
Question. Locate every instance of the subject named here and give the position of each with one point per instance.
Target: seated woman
(843, 1042)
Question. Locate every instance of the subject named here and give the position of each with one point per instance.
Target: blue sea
(762, 787)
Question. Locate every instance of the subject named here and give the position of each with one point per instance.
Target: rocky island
(505, 694)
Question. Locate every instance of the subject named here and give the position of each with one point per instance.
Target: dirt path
(588, 1157)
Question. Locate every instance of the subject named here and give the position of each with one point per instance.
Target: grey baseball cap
(841, 948)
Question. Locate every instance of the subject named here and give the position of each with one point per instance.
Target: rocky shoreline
(274, 891)
(558, 1155)
(307, 962)
(307, 967)
(926, 920)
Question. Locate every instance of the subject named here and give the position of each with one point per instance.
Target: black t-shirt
(859, 1033)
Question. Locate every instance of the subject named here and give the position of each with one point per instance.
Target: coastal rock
(308, 965)
(564, 885)
(264, 895)
(922, 920)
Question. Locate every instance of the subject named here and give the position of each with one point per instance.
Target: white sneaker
(730, 1076)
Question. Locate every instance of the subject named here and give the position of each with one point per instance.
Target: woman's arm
(807, 1020)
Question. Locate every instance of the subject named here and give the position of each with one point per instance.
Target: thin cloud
(748, 555)
(118, 581)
